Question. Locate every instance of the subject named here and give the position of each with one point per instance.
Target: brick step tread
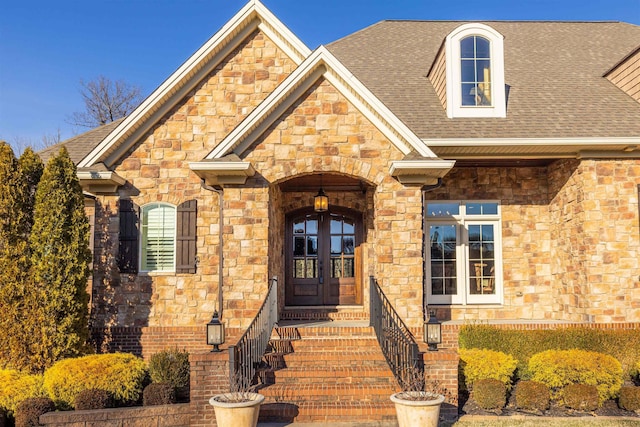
(323, 332)
(319, 359)
(334, 392)
(334, 411)
(365, 371)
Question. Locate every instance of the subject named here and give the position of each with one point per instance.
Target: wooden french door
(323, 258)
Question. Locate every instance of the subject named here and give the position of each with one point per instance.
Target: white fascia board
(240, 168)
(415, 166)
(550, 142)
(107, 176)
(320, 63)
(252, 11)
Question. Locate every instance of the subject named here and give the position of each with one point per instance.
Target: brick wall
(209, 376)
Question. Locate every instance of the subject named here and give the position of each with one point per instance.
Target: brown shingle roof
(554, 72)
(80, 145)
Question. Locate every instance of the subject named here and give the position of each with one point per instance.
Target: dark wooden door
(323, 258)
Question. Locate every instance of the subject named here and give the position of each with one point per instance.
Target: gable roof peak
(254, 15)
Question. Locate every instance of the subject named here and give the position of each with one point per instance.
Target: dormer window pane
(475, 71)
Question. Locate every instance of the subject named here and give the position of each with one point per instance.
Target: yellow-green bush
(623, 344)
(559, 368)
(480, 364)
(16, 386)
(120, 374)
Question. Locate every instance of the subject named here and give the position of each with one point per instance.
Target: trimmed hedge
(29, 410)
(490, 393)
(629, 398)
(159, 394)
(624, 345)
(532, 396)
(560, 368)
(120, 374)
(93, 398)
(480, 364)
(581, 397)
(16, 386)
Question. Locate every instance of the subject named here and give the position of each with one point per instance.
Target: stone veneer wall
(324, 133)
(596, 235)
(157, 170)
(571, 244)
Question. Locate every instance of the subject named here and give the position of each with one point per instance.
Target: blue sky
(47, 47)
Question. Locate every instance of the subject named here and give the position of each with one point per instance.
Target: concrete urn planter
(417, 408)
(237, 409)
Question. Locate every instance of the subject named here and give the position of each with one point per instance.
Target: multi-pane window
(343, 239)
(158, 237)
(463, 251)
(475, 69)
(305, 247)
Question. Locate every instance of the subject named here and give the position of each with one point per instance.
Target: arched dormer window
(475, 72)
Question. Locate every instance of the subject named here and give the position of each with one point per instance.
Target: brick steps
(330, 372)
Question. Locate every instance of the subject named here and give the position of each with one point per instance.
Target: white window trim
(463, 297)
(454, 95)
(141, 262)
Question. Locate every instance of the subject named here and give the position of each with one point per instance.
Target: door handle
(320, 275)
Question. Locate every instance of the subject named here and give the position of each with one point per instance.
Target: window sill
(156, 273)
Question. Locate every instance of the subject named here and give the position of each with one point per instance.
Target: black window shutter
(186, 237)
(128, 248)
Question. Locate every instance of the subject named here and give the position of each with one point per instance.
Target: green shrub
(532, 396)
(29, 410)
(121, 374)
(581, 397)
(479, 364)
(93, 398)
(171, 366)
(559, 368)
(16, 386)
(629, 398)
(159, 394)
(622, 344)
(489, 393)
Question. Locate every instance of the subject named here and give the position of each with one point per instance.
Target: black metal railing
(246, 355)
(399, 348)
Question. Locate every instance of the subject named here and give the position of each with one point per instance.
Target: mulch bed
(609, 409)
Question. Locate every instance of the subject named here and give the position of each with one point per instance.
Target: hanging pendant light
(321, 200)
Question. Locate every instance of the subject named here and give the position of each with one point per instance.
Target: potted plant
(238, 408)
(416, 406)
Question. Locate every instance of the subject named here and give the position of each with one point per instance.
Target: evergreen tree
(56, 297)
(17, 188)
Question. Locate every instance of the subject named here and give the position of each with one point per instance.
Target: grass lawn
(536, 422)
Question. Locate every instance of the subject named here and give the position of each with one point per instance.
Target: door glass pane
(348, 267)
(298, 227)
(312, 268)
(348, 226)
(336, 224)
(298, 246)
(336, 245)
(312, 226)
(481, 260)
(299, 269)
(348, 244)
(312, 245)
(336, 268)
(442, 240)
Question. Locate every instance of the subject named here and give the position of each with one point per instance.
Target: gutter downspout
(425, 190)
(220, 191)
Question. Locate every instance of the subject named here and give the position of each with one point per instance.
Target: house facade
(488, 171)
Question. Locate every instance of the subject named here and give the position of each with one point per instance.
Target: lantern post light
(215, 332)
(433, 331)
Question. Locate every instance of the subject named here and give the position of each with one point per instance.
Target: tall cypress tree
(56, 299)
(18, 180)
